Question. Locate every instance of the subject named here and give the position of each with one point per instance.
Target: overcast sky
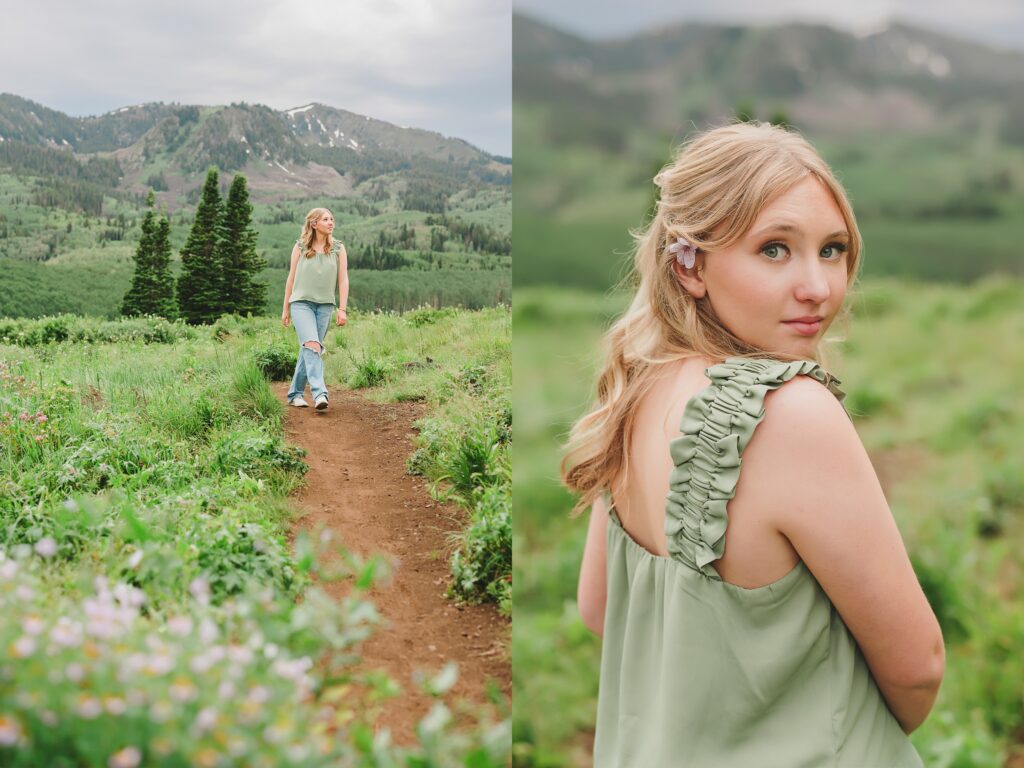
(996, 22)
(443, 65)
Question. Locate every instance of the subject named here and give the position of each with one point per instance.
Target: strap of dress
(717, 424)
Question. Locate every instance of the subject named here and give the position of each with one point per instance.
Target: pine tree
(236, 252)
(152, 291)
(200, 284)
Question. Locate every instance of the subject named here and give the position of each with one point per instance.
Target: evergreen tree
(200, 284)
(152, 291)
(236, 253)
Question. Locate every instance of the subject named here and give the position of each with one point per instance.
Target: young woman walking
(317, 284)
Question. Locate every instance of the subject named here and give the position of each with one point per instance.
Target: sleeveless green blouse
(316, 278)
(700, 673)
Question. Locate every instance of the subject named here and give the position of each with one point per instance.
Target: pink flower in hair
(686, 253)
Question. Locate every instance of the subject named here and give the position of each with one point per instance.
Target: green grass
(158, 460)
(934, 387)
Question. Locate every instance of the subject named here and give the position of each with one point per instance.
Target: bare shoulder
(806, 450)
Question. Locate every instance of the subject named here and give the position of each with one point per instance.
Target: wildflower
(206, 719)
(24, 416)
(226, 690)
(161, 711)
(40, 438)
(66, 632)
(200, 589)
(40, 417)
(135, 559)
(33, 624)
(23, 647)
(115, 705)
(182, 689)
(74, 671)
(89, 707)
(180, 626)
(129, 757)
(46, 547)
(10, 731)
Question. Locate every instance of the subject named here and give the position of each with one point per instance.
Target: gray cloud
(443, 65)
(995, 22)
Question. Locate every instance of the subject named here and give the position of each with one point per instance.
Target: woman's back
(697, 671)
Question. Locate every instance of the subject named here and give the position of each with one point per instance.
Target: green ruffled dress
(700, 673)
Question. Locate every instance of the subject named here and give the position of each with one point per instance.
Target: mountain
(830, 82)
(310, 150)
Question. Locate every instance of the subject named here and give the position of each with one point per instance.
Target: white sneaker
(321, 402)
(298, 402)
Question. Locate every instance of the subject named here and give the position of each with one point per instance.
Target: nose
(812, 283)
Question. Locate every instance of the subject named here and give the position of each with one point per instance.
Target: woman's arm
(342, 277)
(817, 482)
(592, 590)
(296, 255)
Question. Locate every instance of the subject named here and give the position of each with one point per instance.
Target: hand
(342, 316)
(286, 318)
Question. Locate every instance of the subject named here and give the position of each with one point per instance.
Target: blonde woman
(317, 284)
(758, 610)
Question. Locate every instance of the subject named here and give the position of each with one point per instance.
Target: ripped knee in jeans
(315, 346)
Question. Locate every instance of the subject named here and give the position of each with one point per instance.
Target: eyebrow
(781, 227)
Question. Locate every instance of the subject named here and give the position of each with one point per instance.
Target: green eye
(838, 249)
(774, 251)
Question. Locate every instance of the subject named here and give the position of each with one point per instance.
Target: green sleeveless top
(316, 278)
(700, 673)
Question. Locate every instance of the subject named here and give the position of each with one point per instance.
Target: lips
(805, 326)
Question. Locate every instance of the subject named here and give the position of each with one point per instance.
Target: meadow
(156, 612)
(56, 260)
(932, 377)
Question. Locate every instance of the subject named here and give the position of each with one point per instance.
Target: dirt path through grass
(358, 487)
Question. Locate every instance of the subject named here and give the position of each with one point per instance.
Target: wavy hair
(308, 236)
(711, 193)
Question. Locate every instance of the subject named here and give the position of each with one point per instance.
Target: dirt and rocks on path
(357, 486)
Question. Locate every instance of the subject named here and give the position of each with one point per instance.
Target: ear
(691, 279)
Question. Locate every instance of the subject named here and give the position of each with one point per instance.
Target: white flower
(89, 707)
(270, 650)
(33, 624)
(46, 547)
(182, 689)
(226, 690)
(208, 631)
(206, 719)
(10, 731)
(135, 559)
(66, 632)
(200, 589)
(181, 626)
(23, 646)
(8, 570)
(129, 757)
(115, 705)
(74, 671)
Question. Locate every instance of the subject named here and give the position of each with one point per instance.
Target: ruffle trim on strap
(717, 424)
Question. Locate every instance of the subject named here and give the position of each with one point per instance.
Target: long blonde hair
(308, 235)
(710, 194)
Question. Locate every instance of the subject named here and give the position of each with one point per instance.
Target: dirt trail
(358, 487)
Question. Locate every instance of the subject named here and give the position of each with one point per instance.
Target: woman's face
(781, 285)
(324, 224)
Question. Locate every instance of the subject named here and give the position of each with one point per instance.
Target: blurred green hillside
(933, 163)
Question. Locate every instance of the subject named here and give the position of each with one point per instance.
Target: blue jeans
(310, 322)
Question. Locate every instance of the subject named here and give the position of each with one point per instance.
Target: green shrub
(276, 362)
(371, 371)
(482, 565)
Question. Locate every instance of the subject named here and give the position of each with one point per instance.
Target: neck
(319, 239)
